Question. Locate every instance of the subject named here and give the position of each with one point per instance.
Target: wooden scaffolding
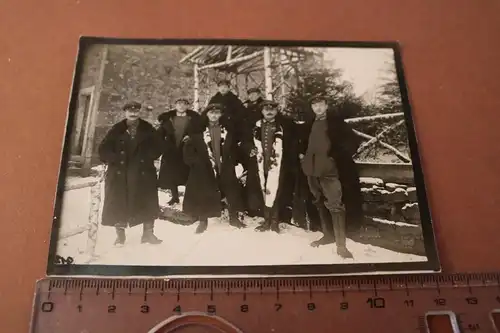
(274, 70)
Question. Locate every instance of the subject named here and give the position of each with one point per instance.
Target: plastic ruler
(397, 303)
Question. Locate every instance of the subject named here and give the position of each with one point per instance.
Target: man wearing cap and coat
(213, 179)
(253, 107)
(233, 107)
(326, 152)
(269, 162)
(129, 150)
(174, 126)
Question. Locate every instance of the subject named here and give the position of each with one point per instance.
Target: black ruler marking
(80, 296)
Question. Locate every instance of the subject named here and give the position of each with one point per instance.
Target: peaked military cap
(214, 106)
(253, 90)
(182, 100)
(268, 102)
(223, 82)
(318, 98)
(133, 105)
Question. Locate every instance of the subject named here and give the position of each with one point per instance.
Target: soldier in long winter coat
(326, 159)
(174, 126)
(253, 107)
(233, 106)
(269, 165)
(131, 196)
(214, 170)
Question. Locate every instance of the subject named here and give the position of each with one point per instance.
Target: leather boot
(235, 221)
(275, 226)
(147, 234)
(175, 196)
(325, 218)
(267, 221)
(120, 236)
(202, 227)
(339, 229)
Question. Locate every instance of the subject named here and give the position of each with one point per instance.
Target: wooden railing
(93, 222)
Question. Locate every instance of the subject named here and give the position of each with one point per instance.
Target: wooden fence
(93, 222)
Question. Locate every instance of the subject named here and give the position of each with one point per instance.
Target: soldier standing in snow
(233, 107)
(214, 170)
(326, 159)
(267, 168)
(174, 126)
(131, 195)
(253, 107)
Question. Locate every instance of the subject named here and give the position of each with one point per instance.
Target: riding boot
(234, 220)
(120, 236)
(275, 226)
(202, 227)
(147, 234)
(339, 229)
(325, 218)
(175, 196)
(267, 220)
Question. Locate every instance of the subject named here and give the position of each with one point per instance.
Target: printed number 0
(47, 306)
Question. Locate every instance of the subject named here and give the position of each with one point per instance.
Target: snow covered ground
(220, 245)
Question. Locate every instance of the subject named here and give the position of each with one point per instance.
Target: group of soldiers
(244, 157)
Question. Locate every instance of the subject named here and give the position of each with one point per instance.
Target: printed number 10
(376, 302)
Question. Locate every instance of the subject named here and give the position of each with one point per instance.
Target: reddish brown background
(451, 54)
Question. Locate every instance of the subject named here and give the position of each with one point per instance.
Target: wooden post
(196, 102)
(267, 73)
(94, 109)
(95, 205)
(282, 80)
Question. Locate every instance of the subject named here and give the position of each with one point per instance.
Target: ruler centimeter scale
(398, 303)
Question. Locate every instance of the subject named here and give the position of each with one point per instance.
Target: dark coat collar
(279, 122)
(257, 129)
(143, 129)
(229, 94)
(170, 114)
(122, 125)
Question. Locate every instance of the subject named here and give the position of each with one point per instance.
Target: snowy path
(220, 245)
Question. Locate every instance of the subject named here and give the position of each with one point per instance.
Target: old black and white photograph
(240, 158)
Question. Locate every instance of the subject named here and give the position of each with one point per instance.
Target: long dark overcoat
(234, 113)
(131, 194)
(204, 188)
(233, 107)
(254, 194)
(173, 170)
(253, 111)
(344, 144)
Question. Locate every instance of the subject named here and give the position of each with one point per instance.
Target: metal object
(409, 303)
